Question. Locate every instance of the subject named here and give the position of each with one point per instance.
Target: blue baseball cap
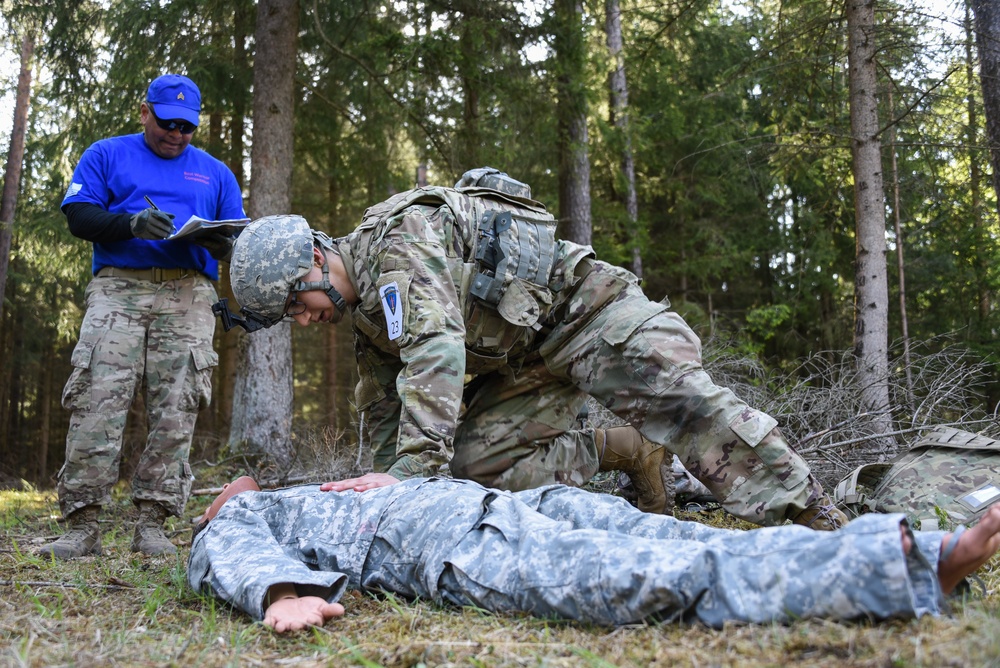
(175, 96)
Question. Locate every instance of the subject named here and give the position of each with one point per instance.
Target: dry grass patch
(123, 609)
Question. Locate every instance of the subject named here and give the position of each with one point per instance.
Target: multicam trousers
(643, 363)
(135, 329)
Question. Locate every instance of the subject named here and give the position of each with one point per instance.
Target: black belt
(155, 274)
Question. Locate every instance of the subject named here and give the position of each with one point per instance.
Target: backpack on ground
(948, 477)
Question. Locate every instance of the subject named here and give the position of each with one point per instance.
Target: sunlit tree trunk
(15, 158)
(871, 292)
(988, 50)
(469, 140)
(228, 343)
(262, 401)
(571, 109)
(618, 91)
(987, 14)
(904, 322)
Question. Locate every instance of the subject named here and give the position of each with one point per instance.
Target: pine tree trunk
(871, 292)
(262, 401)
(228, 343)
(15, 158)
(987, 13)
(904, 322)
(980, 236)
(618, 92)
(470, 142)
(45, 432)
(571, 109)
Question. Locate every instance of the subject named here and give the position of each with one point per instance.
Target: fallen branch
(274, 484)
(67, 585)
(900, 432)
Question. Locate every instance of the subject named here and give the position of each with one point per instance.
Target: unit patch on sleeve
(393, 308)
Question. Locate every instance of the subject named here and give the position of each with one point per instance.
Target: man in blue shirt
(148, 316)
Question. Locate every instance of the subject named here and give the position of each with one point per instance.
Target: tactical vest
(948, 477)
(509, 252)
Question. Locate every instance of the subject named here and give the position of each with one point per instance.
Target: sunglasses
(184, 127)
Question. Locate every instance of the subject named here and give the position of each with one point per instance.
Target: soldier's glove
(152, 224)
(219, 245)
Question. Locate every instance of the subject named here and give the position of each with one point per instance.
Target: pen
(150, 202)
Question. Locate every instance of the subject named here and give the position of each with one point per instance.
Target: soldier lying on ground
(449, 283)
(286, 557)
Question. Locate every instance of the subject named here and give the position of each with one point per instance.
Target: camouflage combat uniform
(567, 326)
(556, 551)
(134, 327)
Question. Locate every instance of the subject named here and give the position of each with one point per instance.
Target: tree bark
(980, 237)
(574, 161)
(15, 158)
(901, 265)
(987, 13)
(618, 92)
(897, 219)
(228, 343)
(871, 292)
(263, 401)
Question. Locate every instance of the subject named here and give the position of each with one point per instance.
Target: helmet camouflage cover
(269, 256)
(490, 177)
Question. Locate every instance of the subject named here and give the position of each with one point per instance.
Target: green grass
(124, 609)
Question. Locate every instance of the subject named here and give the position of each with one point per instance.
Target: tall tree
(988, 44)
(15, 158)
(871, 287)
(571, 110)
(262, 403)
(618, 93)
(987, 13)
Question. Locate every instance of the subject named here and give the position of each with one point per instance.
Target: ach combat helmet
(270, 257)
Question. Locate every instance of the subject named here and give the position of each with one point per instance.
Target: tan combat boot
(822, 516)
(624, 449)
(149, 537)
(83, 537)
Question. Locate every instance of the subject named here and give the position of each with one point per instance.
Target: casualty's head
(278, 261)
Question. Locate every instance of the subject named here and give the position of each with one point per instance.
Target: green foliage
(739, 125)
(763, 323)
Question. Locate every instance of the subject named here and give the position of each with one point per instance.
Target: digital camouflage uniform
(566, 326)
(556, 552)
(132, 327)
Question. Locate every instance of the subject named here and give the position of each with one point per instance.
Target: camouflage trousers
(643, 363)
(565, 553)
(135, 329)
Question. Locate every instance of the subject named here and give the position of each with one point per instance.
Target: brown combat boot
(646, 463)
(822, 516)
(83, 537)
(149, 537)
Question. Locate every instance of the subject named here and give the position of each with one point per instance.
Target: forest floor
(124, 609)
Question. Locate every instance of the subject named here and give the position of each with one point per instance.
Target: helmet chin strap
(339, 303)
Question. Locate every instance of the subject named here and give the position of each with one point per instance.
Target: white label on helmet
(389, 296)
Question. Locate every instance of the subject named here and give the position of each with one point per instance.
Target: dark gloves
(219, 245)
(152, 224)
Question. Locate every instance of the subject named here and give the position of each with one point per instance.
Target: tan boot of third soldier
(83, 537)
(149, 537)
(646, 463)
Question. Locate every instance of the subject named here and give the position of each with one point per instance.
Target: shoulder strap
(847, 496)
(948, 437)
